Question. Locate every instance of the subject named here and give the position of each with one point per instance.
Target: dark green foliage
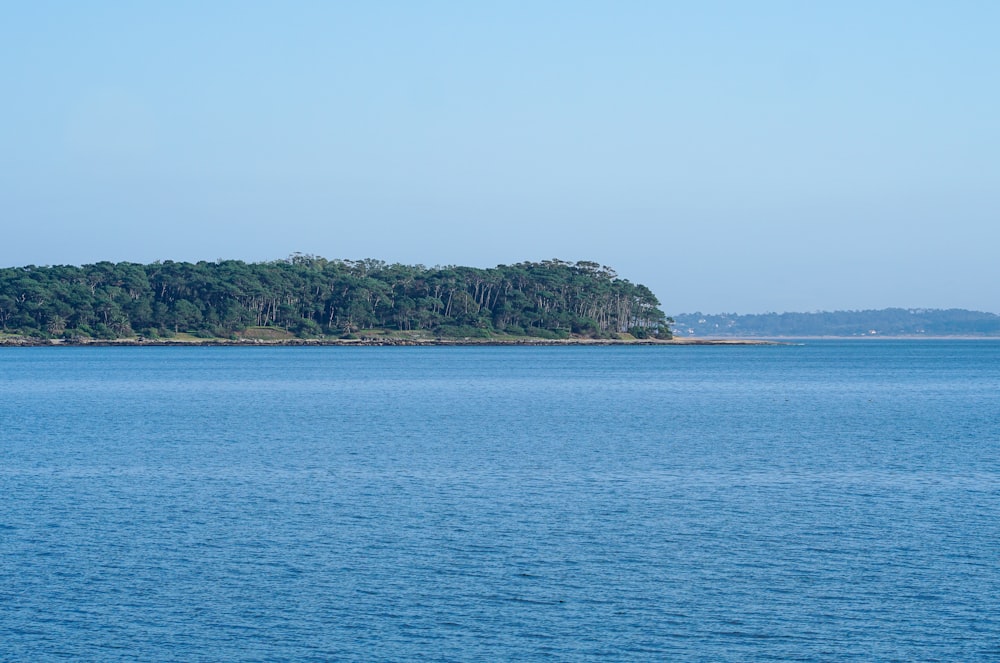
(310, 296)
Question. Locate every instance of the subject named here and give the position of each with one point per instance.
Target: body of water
(825, 501)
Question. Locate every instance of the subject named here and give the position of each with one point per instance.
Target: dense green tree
(311, 296)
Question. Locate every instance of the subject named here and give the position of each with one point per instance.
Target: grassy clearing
(265, 334)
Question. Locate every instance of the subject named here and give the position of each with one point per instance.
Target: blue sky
(733, 156)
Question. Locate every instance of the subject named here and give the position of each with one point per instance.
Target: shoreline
(371, 342)
(377, 341)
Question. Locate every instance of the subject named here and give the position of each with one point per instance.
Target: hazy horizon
(739, 158)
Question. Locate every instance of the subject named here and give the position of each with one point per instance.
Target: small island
(309, 300)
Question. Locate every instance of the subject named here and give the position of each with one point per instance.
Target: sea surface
(827, 501)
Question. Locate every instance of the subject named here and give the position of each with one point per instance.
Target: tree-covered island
(309, 297)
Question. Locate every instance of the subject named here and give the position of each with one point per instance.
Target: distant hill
(883, 322)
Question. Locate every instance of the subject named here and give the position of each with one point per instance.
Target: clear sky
(733, 156)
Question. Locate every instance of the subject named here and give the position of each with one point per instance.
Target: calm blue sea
(826, 501)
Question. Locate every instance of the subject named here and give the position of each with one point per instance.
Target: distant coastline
(881, 323)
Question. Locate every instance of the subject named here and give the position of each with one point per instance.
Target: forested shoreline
(313, 297)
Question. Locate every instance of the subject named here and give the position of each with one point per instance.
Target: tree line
(310, 296)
